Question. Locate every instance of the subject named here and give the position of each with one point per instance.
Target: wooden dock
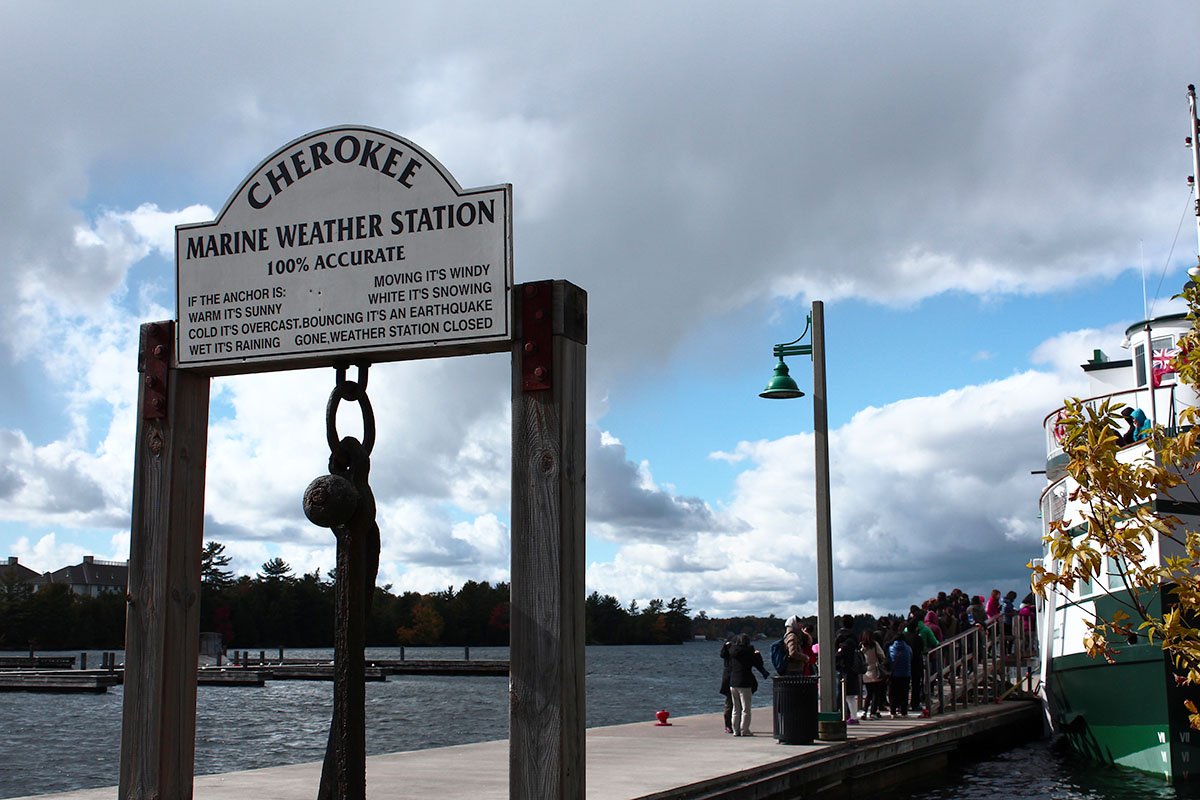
(216, 676)
(442, 667)
(62, 682)
(37, 662)
(690, 759)
(285, 668)
(32, 678)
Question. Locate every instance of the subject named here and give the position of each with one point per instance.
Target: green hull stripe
(1129, 713)
(1136, 746)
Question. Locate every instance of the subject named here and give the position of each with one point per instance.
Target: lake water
(53, 743)
(1038, 771)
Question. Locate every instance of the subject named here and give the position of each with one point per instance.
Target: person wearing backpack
(797, 645)
(876, 676)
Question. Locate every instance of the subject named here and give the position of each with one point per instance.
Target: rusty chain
(344, 502)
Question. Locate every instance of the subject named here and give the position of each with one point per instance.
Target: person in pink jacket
(993, 605)
(931, 622)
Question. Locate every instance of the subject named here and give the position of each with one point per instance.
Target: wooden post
(546, 679)
(162, 629)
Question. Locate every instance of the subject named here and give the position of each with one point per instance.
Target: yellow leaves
(1113, 526)
(1193, 716)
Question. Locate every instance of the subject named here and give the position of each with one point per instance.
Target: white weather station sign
(347, 244)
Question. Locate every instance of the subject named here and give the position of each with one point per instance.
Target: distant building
(19, 573)
(93, 578)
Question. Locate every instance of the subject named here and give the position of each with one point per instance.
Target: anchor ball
(330, 500)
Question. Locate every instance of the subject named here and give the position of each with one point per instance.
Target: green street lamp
(780, 387)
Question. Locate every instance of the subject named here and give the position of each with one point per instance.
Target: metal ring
(335, 398)
(340, 369)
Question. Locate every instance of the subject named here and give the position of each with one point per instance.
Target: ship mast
(1195, 271)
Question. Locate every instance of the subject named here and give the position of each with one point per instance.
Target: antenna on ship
(1194, 272)
(1145, 305)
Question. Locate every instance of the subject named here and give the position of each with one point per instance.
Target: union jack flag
(1162, 363)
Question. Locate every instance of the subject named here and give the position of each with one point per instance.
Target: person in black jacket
(912, 637)
(743, 660)
(725, 688)
(844, 659)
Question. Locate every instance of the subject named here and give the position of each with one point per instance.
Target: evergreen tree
(213, 561)
(276, 569)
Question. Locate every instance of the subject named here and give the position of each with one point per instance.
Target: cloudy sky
(980, 194)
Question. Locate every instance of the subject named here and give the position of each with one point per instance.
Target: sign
(348, 244)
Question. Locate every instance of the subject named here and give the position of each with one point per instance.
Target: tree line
(277, 608)
(54, 618)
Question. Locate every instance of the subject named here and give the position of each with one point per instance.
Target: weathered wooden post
(546, 683)
(162, 628)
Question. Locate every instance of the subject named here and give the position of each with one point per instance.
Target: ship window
(1159, 344)
(1139, 359)
(1114, 573)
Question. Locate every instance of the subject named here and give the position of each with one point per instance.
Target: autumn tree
(426, 628)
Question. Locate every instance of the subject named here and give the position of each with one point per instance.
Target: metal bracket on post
(154, 357)
(536, 331)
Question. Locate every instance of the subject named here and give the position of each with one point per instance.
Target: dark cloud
(626, 508)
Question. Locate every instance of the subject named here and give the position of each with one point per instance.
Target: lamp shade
(781, 386)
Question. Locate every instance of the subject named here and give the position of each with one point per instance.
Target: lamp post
(781, 387)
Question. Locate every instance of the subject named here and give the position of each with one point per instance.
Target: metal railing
(980, 665)
(1162, 404)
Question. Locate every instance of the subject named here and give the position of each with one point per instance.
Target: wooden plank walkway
(691, 759)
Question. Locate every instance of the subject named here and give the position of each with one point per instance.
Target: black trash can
(795, 708)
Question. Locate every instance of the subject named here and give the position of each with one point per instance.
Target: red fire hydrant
(662, 715)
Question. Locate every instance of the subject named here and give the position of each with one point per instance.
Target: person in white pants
(743, 660)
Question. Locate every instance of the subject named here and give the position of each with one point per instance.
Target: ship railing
(983, 664)
(1168, 403)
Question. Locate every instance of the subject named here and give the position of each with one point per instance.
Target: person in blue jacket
(901, 655)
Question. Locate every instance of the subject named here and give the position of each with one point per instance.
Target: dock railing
(981, 665)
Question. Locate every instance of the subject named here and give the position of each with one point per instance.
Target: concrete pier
(690, 759)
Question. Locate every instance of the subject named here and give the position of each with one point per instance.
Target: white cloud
(47, 554)
(927, 494)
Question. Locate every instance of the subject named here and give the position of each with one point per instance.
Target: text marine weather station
(349, 242)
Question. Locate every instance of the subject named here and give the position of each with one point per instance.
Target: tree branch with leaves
(1114, 520)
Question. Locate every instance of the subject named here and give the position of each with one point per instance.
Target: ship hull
(1130, 713)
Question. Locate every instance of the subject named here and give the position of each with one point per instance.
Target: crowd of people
(879, 664)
